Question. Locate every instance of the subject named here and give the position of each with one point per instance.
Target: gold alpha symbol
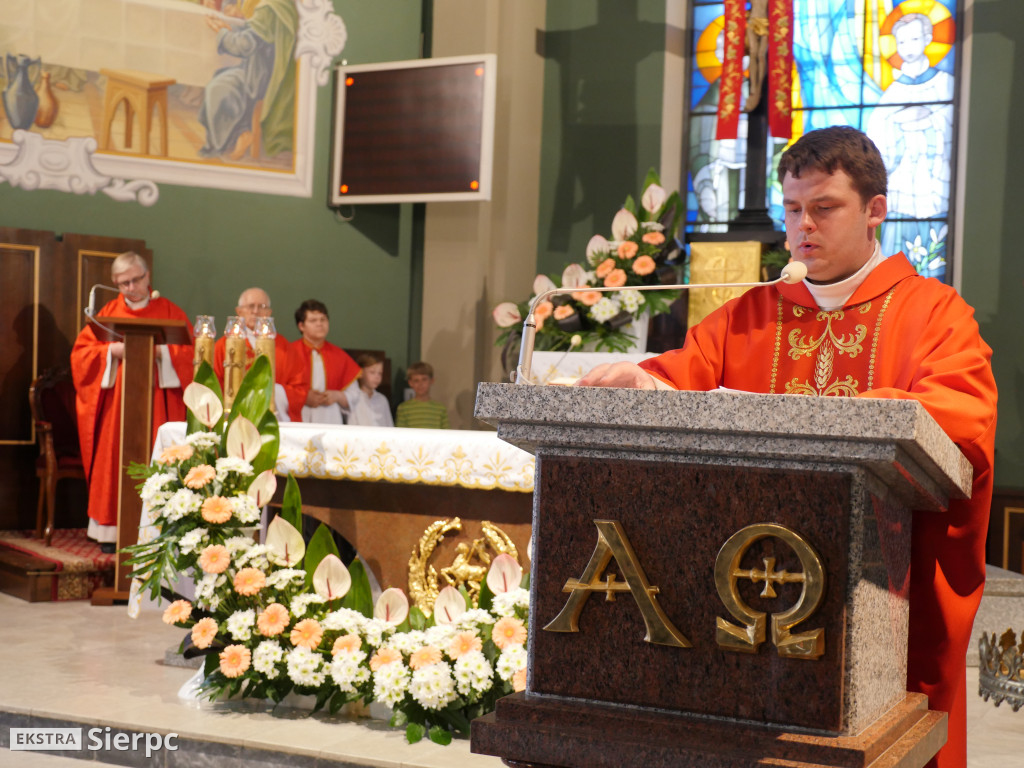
(747, 637)
(612, 543)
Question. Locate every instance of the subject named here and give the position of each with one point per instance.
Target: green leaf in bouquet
(321, 544)
(417, 619)
(291, 503)
(671, 216)
(486, 597)
(337, 702)
(321, 698)
(204, 375)
(270, 435)
(440, 735)
(465, 596)
(453, 714)
(211, 664)
(398, 719)
(414, 732)
(652, 177)
(359, 597)
(254, 393)
(630, 204)
(525, 583)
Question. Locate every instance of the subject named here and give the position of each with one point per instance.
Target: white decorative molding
(322, 36)
(66, 166)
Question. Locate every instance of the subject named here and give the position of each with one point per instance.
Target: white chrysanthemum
(473, 617)
(255, 556)
(153, 491)
(432, 686)
(286, 577)
(374, 631)
(237, 545)
(240, 624)
(473, 673)
(207, 585)
(203, 439)
(512, 659)
(245, 509)
(605, 309)
(183, 502)
(345, 620)
(631, 300)
(192, 541)
(440, 635)
(348, 670)
(266, 657)
(407, 642)
(390, 683)
(305, 667)
(300, 603)
(230, 464)
(505, 604)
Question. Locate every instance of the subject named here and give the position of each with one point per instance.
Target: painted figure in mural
(249, 106)
(757, 47)
(916, 142)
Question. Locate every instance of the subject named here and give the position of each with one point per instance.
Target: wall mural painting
(883, 66)
(120, 95)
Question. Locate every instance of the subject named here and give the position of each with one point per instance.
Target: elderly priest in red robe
(863, 325)
(97, 372)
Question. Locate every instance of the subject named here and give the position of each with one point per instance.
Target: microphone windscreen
(794, 272)
(155, 294)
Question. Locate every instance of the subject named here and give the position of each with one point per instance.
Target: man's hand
(117, 349)
(625, 375)
(315, 398)
(336, 396)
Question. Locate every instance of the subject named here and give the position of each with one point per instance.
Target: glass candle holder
(205, 333)
(266, 346)
(234, 358)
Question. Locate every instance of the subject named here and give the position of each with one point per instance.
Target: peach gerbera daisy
(519, 680)
(204, 632)
(216, 509)
(272, 620)
(177, 612)
(214, 559)
(628, 249)
(307, 633)
(644, 265)
(587, 298)
(249, 581)
(346, 644)
(604, 268)
(653, 238)
(543, 310)
(508, 631)
(564, 311)
(463, 643)
(383, 657)
(234, 660)
(175, 453)
(616, 279)
(199, 476)
(424, 657)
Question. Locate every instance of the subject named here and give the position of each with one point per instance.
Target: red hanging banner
(731, 89)
(780, 69)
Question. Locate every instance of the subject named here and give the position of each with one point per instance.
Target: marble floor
(75, 662)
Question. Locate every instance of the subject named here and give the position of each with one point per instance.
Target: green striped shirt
(422, 414)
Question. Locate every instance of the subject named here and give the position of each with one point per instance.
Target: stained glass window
(883, 66)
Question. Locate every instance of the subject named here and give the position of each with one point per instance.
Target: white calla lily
(284, 543)
(244, 440)
(392, 606)
(262, 488)
(542, 283)
(623, 225)
(450, 604)
(598, 246)
(574, 276)
(204, 404)
(505, 574)
(653, 199)
(331, 578)
(506, 314)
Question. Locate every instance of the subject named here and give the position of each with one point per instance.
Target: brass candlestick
(265, 335)
(234, 358)
(205, 335)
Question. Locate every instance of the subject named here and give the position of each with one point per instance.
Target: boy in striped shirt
(421, 412)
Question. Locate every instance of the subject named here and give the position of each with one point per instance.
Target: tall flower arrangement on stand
(641, 252)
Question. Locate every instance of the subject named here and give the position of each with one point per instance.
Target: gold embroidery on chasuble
(824, 356)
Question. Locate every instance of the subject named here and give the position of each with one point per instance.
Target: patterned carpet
(77, 565)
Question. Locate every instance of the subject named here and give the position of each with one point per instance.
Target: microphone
(793, 272)
(90, 310)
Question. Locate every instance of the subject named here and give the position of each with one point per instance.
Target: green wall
(209, 245)
(602, 118)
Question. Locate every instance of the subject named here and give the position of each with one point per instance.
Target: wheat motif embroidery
(824, 348)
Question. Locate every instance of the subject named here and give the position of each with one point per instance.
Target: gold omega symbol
(747, 636)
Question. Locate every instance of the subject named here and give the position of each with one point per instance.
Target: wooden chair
(52, 399)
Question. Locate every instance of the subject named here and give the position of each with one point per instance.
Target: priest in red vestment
(97, 372)
(322, 378)
(253, 304)
(862, 325)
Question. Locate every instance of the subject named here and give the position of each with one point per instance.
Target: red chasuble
(281, 345)
(99, 410)
(339, 368)
(899, 336)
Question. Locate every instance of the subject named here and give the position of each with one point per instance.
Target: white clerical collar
(137, 305)
(831, 296)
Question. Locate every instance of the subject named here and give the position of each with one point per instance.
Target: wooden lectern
(141, 335)
(720, 579)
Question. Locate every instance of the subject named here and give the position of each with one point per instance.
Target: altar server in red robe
(862, 325)
(321, 377)
(97, 372)
(254, 304)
